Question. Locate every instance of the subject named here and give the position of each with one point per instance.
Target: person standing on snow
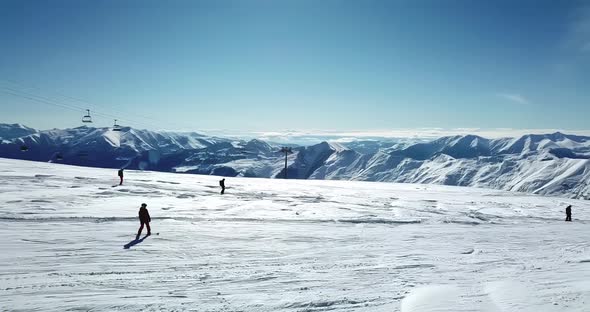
(568, 213)
(222, 184)
(121, 176)
(144, 218)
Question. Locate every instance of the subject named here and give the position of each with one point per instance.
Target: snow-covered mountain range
(556, 163)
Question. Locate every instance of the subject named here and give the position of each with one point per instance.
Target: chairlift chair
(116, 127)
(87, 118)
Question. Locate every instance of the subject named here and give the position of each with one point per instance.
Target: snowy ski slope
(276, 245)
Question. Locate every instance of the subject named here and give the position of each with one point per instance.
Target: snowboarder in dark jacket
(121, 176)
(144, 218)
(568, 213)
(222, 184)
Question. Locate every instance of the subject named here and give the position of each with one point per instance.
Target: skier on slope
(568, 213)
(120, 173)
(222, 184)
(144, 218)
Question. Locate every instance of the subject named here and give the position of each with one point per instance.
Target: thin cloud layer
(316, 136)
(516, 98)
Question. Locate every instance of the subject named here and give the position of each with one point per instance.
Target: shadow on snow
(134, 242)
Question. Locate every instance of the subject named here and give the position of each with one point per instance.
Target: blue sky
(298, 65)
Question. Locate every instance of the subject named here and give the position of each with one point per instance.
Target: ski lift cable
(55, 104)
(49, 101)
(39, 100)
(60, 98)
(45, 100)
(109, 116)
(88, 103)
(123, 113)
(95, 111)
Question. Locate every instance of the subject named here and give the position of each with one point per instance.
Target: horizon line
(349, 135)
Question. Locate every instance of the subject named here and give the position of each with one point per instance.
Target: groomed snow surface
(276, 245)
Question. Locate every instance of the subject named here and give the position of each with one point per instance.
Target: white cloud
(420, 134)
(516, 98)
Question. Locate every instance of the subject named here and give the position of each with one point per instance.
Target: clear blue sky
(274, 65)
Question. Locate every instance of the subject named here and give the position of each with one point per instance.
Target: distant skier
(222, 184)
(121, 176)
(568, 213)
(144, 218)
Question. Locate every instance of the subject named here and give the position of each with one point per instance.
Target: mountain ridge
(552, 164)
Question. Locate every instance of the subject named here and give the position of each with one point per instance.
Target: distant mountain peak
(553, 163)
(16, 130)
(337, 147)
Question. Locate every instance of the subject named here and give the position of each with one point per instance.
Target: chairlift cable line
(61, 106)
(49, 101)
(96, 105)
(74, 99)
(39, 100)
(46, 101)
(43, 100)
(88, 103)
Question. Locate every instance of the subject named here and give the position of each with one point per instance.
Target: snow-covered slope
(554, 163)
(67, 241)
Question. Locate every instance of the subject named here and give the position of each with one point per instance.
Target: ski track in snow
(276, 245)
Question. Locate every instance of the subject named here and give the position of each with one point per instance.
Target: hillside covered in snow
(67, 236)
(556, 164)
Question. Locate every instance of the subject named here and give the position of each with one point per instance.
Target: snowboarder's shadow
(134, 242)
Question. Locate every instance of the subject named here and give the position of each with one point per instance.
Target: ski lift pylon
(287, 151)
(87, 118)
